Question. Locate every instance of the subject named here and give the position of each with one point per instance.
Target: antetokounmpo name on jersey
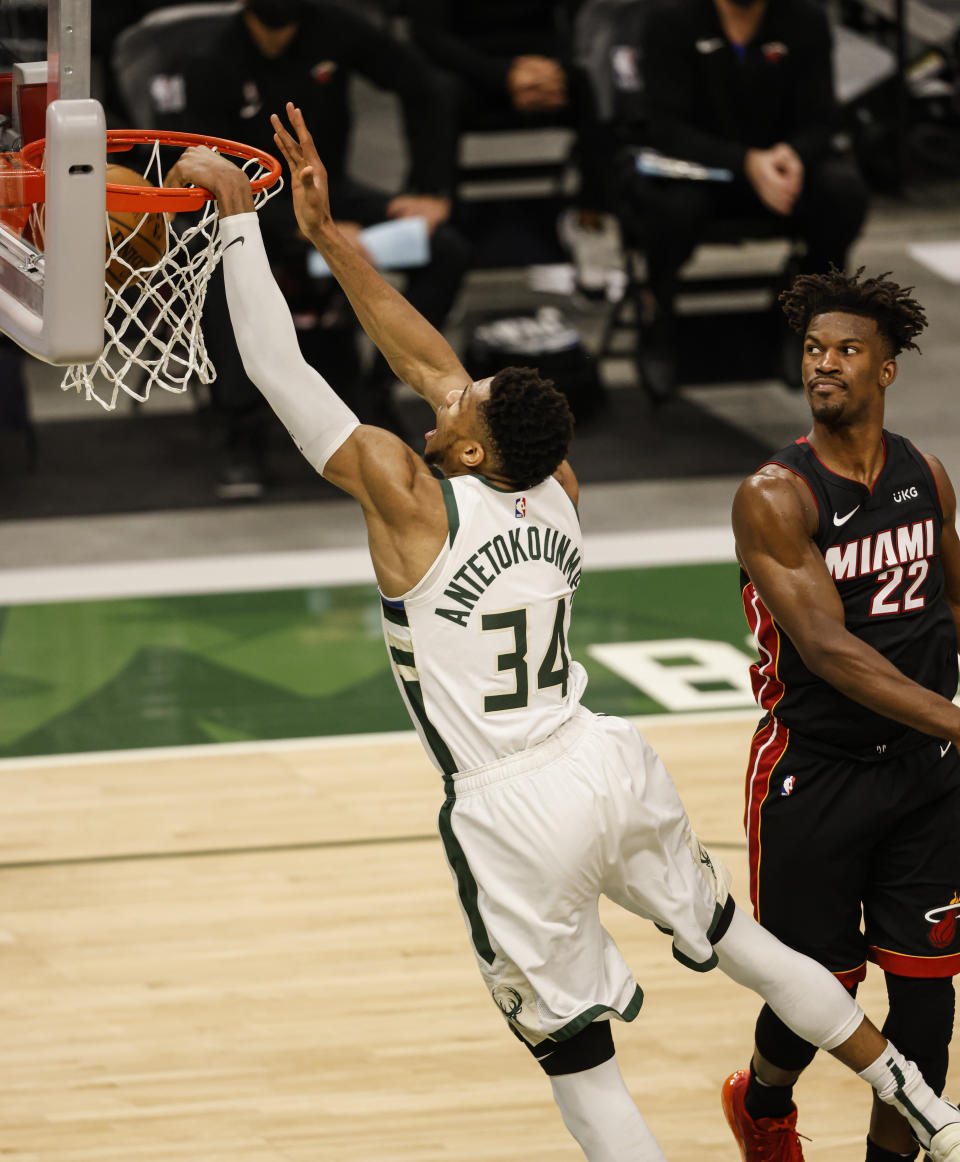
(502, 552)
(883, 550)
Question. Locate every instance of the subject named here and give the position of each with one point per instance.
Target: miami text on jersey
(898, 546)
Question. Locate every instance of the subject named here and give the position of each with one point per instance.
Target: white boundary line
(322, 568)
(322, 742)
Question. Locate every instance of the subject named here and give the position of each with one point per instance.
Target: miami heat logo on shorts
(943, 923)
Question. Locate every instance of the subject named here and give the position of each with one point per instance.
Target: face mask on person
(276, 13)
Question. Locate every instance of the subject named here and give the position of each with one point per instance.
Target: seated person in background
(510, 66)
(108, 18)
(272, 51)
(744, 85)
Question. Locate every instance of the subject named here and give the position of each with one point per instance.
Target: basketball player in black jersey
(851, 583)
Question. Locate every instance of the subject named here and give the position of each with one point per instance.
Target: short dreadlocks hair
(529, 423)
(899, 317)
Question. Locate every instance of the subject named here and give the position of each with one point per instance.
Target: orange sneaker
(763, 1139)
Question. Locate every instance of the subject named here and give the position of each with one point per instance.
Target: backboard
(52, 224)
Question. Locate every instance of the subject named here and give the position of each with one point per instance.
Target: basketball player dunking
(851, 584)
(547, 806)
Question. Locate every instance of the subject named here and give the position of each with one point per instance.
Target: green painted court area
(173, 671)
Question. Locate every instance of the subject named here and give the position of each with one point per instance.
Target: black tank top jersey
(882, 547)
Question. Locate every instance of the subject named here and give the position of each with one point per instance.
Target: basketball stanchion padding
(162, 247)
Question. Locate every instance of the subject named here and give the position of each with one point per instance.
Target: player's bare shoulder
(775, 498)
(408, 484)
(776, 493)
(387, 476)
(565, 477)
(945, 489)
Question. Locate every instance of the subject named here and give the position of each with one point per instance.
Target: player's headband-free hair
(277, 13)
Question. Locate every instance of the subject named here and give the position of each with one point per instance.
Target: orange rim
(21, 184)
(149, 199)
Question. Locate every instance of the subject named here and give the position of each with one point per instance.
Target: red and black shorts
(853, 861)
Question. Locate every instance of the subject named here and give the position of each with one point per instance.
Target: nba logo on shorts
(521, 509)
(788, 784)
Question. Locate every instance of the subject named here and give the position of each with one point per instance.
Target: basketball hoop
(162, 246)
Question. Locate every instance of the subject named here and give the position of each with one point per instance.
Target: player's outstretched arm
(418, 354)
(368, 463)
(774, 523)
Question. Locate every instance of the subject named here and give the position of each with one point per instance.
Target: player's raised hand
(200, 166)
(308, 176)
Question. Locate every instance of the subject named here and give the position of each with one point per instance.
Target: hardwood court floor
(257, 956)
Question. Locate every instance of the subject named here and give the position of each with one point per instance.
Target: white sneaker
(597, 254)
(945, 1144)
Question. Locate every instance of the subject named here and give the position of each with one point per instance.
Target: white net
(158, 267)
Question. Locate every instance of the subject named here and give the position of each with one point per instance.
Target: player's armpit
(379, 470)
(403, 505)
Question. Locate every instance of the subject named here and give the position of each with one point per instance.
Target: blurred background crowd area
(614, 191)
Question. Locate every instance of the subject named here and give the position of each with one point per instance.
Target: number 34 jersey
(479, 646)
(881, 546)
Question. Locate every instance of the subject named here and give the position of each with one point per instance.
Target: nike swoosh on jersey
(842, 520)
(944, 749)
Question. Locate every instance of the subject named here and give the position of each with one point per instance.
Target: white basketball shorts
(535, 840)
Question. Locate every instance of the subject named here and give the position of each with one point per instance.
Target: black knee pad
(591, 1046)
(920, 1022)
(779, 1044)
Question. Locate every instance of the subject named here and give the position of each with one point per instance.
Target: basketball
(135, 240)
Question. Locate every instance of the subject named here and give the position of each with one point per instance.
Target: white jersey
(479, 645)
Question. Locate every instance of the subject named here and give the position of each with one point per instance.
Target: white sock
(899, 1083)
(802, 993)
(600, 1113)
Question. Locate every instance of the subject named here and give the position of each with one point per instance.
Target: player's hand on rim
(199, 165)
(308, 175)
